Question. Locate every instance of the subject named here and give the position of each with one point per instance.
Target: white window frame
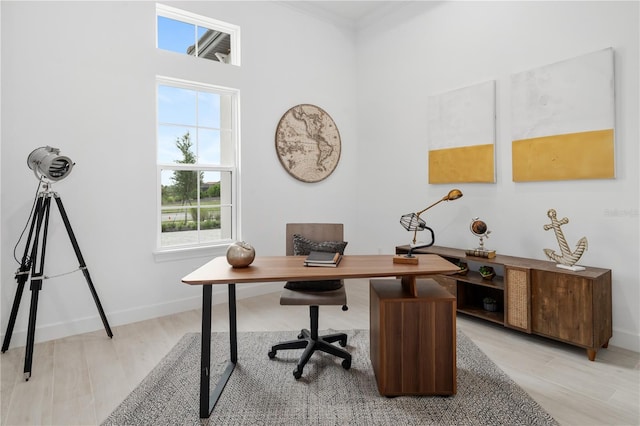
(203, 21)
(219, 246)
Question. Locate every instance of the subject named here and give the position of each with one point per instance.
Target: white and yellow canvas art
(461, 135)
(562, 119)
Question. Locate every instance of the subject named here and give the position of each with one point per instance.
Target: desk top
(291, 268)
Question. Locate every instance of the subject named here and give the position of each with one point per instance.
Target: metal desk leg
(207, 401)
(205, 352)
(233, 329)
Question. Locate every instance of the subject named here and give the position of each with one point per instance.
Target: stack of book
(320, 258)
(489, 254)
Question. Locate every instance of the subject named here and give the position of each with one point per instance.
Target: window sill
(170, 255)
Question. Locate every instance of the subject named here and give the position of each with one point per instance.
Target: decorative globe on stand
(240, 254)
(479, 229)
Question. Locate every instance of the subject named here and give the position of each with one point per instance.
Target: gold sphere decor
(240, 254)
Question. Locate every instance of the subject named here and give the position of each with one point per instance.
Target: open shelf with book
(471, 289)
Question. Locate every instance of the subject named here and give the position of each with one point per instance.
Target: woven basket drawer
(517, 307)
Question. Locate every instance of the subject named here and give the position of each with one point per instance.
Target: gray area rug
(262, 391)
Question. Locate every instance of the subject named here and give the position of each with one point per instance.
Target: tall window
(197, 133)
(197, 163)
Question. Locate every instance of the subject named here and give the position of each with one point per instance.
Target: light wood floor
(79, 380)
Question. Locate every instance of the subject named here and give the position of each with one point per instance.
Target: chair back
(315, 232)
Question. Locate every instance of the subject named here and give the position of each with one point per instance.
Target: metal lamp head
(47, 163)
(454, 194)
(412, 222)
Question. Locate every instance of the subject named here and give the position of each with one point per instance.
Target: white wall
(81, 76)
(428, 48)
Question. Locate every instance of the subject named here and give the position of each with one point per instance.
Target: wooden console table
(534, 296)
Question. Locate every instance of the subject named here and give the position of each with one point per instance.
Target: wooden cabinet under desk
(413, 338)
(534, 296)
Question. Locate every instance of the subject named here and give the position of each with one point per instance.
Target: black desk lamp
(413, 222)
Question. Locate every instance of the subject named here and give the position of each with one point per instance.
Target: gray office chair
(301, 239)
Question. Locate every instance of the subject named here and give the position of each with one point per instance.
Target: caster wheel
(343, 342)
(346, 364)
(272, 354)
(297, 373)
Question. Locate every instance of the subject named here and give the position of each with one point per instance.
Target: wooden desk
(288, 268)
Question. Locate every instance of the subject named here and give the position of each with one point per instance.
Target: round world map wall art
(308, 143)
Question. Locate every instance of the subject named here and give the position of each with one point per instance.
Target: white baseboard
(59, 330)
(625, 339)
(621, 338)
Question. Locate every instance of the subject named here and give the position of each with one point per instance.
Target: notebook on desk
(320, 258)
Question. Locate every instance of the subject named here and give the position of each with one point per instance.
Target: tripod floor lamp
(48, 167)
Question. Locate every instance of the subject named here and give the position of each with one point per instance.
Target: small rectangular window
(190, 34)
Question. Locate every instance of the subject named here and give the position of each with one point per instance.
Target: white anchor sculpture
(568, 258)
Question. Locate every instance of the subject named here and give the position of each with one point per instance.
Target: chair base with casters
(309, 340)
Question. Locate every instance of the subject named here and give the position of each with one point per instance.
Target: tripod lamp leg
(23, 273)
(83, 266)
(14, 314)
(36, 286)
